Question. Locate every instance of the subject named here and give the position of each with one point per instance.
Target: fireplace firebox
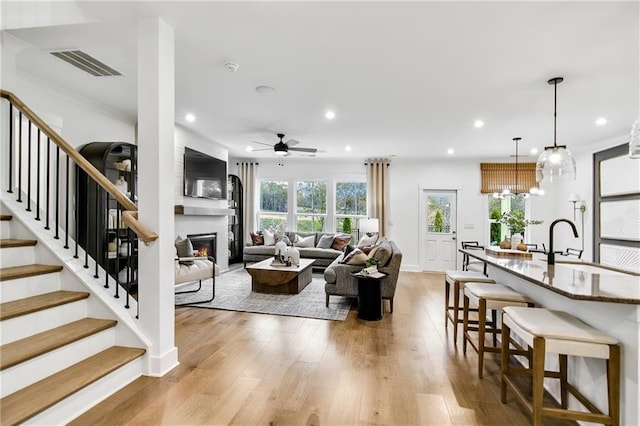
(204, 244)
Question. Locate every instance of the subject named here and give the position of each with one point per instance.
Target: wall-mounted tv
(204, 176)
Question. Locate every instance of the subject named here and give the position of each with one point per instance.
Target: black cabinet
(100, 229)
(236, 230)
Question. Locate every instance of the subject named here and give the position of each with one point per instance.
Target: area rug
(233, 293)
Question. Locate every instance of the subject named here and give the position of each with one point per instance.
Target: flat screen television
(204, 176)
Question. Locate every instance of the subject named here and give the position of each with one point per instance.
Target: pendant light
(556, 162)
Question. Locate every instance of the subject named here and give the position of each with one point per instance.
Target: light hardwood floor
(254, 369)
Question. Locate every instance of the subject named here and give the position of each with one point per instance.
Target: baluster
(10, 190)
(29, 168)
(48, 191)
(118, 248)
(38, 177)
(106, 226)
(86, 226)
(66, 219)
(57, 236)
(98, 232)
(77, 222)
(19, 157)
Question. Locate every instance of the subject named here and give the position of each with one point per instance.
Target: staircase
(56, 361)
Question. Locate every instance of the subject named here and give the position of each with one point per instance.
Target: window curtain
(377, 190)
(499, 176)
(248, 178)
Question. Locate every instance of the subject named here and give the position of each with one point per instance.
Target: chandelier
(507, 192)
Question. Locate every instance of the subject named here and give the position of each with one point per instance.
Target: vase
(522, 246)
(505, 244)
(516, 239)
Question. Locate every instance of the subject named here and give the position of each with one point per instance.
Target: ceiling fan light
(280, 152)
(555, 164)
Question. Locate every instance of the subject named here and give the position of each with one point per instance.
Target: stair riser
(70, 408)
(16, 256)
(33, 370)
(5, 229)
(20, 327)
(30, 286)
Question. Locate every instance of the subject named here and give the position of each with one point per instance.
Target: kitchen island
(605, 298)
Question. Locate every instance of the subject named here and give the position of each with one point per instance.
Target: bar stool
(458, 279)
(493, 297)
(558, 332)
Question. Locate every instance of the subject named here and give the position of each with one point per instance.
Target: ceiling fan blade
(314, 150)
(261, 143)
(262, 149)
(292, 142)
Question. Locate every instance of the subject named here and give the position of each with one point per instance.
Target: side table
(370, 296)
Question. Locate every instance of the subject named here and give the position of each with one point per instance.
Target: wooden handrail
(130, 215)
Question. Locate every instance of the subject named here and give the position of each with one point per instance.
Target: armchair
(192, 269)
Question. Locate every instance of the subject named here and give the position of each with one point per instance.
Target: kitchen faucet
(551, 256)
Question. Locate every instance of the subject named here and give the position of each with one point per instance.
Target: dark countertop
(573, 279)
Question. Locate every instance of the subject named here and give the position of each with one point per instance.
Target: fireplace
(204, 244)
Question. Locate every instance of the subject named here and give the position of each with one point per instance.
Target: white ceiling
(404, 78)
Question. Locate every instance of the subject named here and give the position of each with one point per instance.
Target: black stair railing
(49, 201)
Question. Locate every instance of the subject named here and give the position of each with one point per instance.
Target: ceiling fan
(283, 148)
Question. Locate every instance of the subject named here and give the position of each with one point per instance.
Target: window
(274, 197)
(439, 213)
(351, 205)
(497, 207)
(311, 206)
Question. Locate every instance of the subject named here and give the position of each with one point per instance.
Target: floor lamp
(578, 204)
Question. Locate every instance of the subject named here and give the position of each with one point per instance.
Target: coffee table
(266, 278)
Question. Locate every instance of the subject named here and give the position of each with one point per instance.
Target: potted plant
(516, 223)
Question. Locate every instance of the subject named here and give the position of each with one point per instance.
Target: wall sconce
(578, 204)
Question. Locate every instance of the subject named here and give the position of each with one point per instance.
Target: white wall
(190, 224)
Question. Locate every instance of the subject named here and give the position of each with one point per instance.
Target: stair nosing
(9, 273)
(39, 303)
(41, 343)
(59, 386)
(16, 242)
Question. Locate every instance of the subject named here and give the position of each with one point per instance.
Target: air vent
(86, 62)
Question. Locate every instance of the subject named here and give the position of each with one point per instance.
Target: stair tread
(15, 242)
(6, 217)
(38, 344)
(24, 271)
(27, 402)
(32, 304)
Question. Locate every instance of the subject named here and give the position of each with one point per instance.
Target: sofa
(339, 282)
(323, 256)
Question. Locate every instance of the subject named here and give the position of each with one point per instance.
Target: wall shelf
(202, 211)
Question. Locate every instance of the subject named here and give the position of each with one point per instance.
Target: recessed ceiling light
(450, 151)
(534, 151)
(190, 118)
(601, 121)
(347, 148)
(265, 89)
(249, 149)
(231, 66)
(330, 115)
(478, 123)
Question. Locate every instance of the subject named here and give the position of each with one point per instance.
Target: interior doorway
(438, 240)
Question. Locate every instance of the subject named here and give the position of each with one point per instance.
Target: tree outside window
(438, 214)
(311, 209)
(273, 204)
(497, 207)
(351, 205)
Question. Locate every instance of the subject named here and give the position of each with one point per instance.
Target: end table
(370, 296)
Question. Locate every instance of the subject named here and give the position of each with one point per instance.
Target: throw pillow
(184, 248)
(269, 238)
(325, 241)
(367, 241)
(340, 242)
(305, 242)
(382, 253)
(258, 239)
(367, 249)
(356, 257)
(348, 249)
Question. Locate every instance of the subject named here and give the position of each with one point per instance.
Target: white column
(155, 203)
